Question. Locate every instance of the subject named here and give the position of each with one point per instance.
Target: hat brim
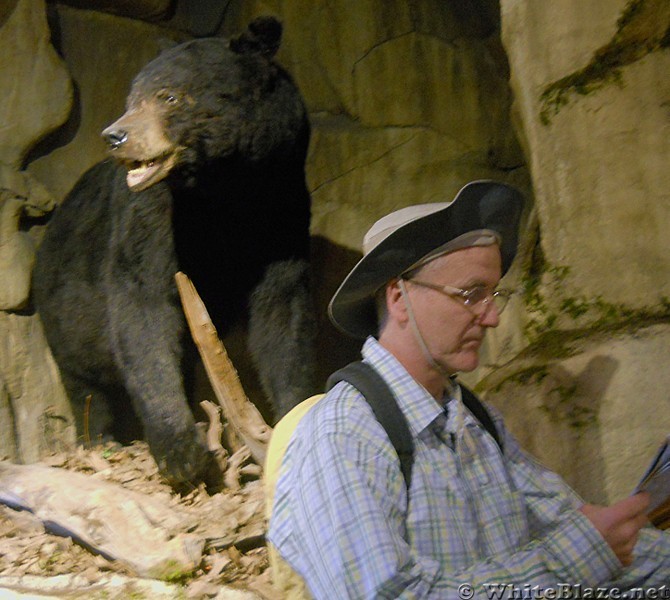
(478, 205)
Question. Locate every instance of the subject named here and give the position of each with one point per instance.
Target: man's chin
(467, 361)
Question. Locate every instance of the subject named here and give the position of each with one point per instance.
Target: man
(477, 520)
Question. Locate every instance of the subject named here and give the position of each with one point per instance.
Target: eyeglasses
(477, 299)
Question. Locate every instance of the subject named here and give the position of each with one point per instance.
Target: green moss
(665, 40)
(173, 572)
(553, 344)
(635, 38)
(575, 307)
(599, 73)
(575, 416)
(589, 316)
(178, 577)
(545, 282)
(631, 10)
(560, 403)
(567, 410)
(135, 595)
(542, 317)
(613, 320)
(530, 375)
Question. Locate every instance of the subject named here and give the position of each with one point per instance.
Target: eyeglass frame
(455, 292)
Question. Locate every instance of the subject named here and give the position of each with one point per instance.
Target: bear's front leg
(146, 337)
(146, 327)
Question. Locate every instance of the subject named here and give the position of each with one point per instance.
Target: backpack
(380, 398)
(386, 410)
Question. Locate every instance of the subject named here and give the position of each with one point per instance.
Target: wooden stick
(214, 432)
(243, 417)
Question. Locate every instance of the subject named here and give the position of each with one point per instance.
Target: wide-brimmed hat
(483, 212)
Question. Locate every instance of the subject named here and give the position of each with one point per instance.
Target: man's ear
(395, 302)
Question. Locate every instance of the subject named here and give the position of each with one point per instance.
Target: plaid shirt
(341, 517)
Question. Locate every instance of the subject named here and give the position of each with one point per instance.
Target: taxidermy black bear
(206, 176)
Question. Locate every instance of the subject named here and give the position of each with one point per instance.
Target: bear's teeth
(140, 174)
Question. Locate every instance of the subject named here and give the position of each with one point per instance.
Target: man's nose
(490, 317)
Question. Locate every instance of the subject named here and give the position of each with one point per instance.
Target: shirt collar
(418, 406)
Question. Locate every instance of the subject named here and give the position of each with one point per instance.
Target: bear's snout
(115, 136)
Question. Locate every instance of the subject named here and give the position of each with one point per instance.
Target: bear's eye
(168, 97)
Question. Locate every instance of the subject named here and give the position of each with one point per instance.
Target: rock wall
(587, 389)
(408, 101)
(34, 414)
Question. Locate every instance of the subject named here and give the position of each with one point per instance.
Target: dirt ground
(232, 522)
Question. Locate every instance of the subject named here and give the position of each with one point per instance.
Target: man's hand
(620, 523)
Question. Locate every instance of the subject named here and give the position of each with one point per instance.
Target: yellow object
(286, 580)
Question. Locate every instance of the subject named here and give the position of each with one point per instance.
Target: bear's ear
(263, 36)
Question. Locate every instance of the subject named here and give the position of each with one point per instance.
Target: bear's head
(208, 103)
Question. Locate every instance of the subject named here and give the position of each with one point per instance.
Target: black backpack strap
(476, 407)
(380, 398)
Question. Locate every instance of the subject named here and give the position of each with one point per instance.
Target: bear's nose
(115, 137)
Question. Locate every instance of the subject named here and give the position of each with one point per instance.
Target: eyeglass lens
(479, 299)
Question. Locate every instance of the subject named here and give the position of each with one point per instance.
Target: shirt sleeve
(548, 496)
(339, 522)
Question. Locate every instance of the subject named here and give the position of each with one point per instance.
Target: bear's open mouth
(145, 173)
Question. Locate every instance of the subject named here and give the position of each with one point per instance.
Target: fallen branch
(243, 417)
(233, 475)
(214, 432)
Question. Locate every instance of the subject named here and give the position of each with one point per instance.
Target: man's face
(451, 330)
